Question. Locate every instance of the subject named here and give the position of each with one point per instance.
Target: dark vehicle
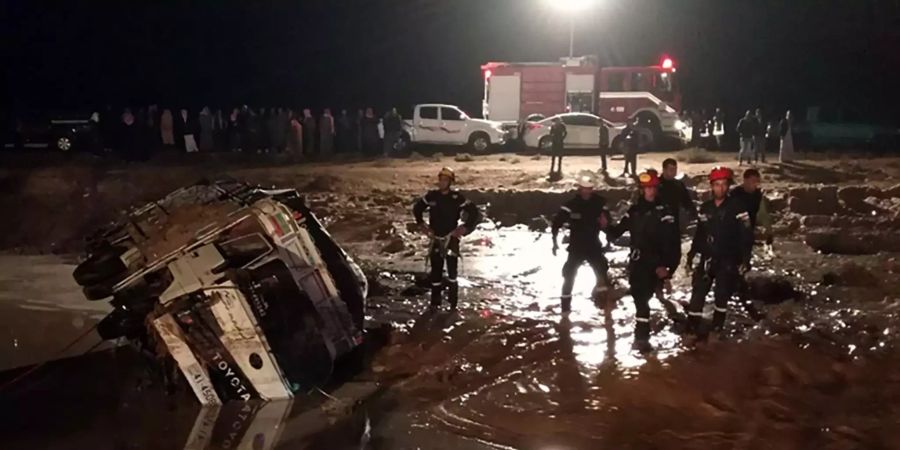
(832, 128)
(241, 288)
(59, 132)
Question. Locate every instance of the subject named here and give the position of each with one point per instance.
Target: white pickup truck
(449, 125)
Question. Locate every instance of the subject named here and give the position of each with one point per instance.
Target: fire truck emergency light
(487, 74)
(667, 63)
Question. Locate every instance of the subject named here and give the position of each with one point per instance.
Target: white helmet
(585, 182)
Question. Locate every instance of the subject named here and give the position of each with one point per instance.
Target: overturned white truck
(240, 287)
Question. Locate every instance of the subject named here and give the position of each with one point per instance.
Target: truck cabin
(618, 84)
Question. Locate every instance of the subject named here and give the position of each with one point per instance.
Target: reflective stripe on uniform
(452, 280)
(667, 219)
(695, 314)
(641, 320)
(743, 216)
(565, 296)
(565, 208)
(702, 217)
(721, 309)
(465, 203)
(436, 283)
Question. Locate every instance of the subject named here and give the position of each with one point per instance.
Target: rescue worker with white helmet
(653, 256)
(586, 215)
(446, 207)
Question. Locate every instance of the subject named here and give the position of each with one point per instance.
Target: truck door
(428, 124)
(453, 126)
(504, 97)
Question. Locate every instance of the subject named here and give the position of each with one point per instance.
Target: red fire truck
(515, 91)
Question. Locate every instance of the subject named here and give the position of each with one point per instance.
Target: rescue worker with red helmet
(586, 215)
(446, 207)
(653, 257)
(723, 240)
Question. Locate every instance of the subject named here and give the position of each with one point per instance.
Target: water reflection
(253, 425)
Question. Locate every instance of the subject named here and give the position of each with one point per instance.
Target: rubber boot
(435, 297)
(566, 303)
(718, 321)
(453, 295)
(642, 337)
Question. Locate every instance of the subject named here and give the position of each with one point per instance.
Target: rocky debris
(538, 224)
(821, 200)
(322, 183)
(770, 289)
(396, 245)
(847, 242)
(854, 198)
(536, 157)
(816, 221)
(852, 274)
(464, 157)
(416, 156)
(842, 243)
(437, 157)
(514, 207)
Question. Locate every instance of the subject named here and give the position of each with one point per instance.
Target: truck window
(451, 114)
(616, 82)
(428, 112)
(638, 82)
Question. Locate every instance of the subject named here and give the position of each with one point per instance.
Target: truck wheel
(64, 144)
(99, 268)
(649, 131)
(479, 142)
(403, 145)
(616, 147)
(545, 144)
(97, 292)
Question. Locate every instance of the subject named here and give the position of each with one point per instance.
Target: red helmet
(720, 173)
(648, 178)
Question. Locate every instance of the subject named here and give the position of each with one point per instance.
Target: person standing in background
(718, 130)
(188, 126)
(309, 133)
(785, 128)
(220, 131)
(747, 130)
(370, 133)
(326, 134)
(167, 128)
(759, 144)
(206, 130)
(295, 140)
(393, 127)
(346, 142)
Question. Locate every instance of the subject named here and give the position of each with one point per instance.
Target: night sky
(317, 53)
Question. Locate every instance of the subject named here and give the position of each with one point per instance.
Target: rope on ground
(59, 353)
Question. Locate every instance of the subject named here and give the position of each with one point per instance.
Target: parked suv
(241, 288)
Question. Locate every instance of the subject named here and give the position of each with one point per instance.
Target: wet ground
(508, 370)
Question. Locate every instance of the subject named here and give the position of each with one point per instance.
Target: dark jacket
(393, 123)
(558, 134)
(654, 234)
(583, 217)
(748, 127)
(724, 234)
(445, 211)
(675, 195)
(751, 201)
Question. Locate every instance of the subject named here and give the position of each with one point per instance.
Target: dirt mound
(815, 200)
(515, 207)
(323, 183)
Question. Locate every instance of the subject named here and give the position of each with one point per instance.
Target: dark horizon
(738, 54)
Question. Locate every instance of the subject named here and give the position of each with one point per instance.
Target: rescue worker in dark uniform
(603, 146)
(446, 207)
(749, 194)
(629, 138)
(586, 215)
(723, 239)
(676, 196)
(557, 145)
(653, 257)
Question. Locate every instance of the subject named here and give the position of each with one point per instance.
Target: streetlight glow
(570, 6)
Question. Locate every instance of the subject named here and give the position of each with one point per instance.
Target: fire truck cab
(648, 94)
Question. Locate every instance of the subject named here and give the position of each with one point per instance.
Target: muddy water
(42, 310)
(508, 371)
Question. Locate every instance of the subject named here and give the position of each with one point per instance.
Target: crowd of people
(757, 135)
(726, 228)
(138, 133)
